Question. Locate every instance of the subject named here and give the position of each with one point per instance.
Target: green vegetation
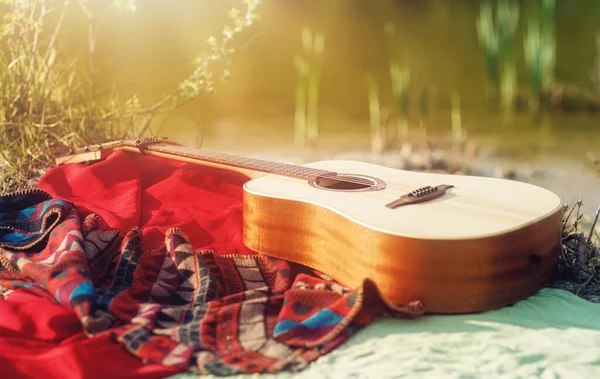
(308, 67)
(390, 125)
(48, 106)
(459, 162)
(378, 132)
(496, 29)
(400, 79)
(594, 73)
(540, 50)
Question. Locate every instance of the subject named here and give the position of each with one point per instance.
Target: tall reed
(378, 135)
(308, 67)
(401, 93)
(496, 29)
(595, 72)
(540, 49)
(458, 161)
(401, 81)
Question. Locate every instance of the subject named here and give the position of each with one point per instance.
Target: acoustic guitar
(457, 243)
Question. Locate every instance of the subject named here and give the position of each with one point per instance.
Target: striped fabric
(175, 306)
(42, 250)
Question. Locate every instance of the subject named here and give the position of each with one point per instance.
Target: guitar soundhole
(348, 182)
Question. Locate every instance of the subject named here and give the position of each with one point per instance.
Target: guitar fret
(244, 162)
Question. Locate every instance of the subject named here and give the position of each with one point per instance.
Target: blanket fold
(41, 250)
(157, 264)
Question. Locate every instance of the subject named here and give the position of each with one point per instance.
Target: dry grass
(579, 261)
(48, 106)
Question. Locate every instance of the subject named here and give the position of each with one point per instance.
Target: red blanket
(222, 311)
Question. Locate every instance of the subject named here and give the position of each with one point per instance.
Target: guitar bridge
(420, 195)
(420, 192)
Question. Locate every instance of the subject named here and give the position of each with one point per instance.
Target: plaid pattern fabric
(197, 310)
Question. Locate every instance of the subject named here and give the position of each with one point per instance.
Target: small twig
(57, 8)
(92, 37)
(569, 215)
(103, 93)
(579, 204)
(36, 35)
(588, 281)
(56, 30)
(46, 59)
(563, 256)
(593, 228)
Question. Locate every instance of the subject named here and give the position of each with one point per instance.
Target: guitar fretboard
(253, 164)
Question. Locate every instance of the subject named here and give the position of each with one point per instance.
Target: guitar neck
(251, 167)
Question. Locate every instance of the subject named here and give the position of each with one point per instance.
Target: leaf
(228, 32)
(124, 5)
(319, 44)
(52, 57)
(307, 38)
(234, 13)
(15, 61)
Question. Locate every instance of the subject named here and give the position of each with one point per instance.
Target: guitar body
(484, 244)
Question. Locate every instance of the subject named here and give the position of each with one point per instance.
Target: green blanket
(554, 334)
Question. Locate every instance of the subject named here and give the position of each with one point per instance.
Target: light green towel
(553, 334)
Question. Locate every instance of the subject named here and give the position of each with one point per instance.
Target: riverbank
(580, 260)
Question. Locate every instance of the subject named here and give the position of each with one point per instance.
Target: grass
(39, 97)
(48, 105)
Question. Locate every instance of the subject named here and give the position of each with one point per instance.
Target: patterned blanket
(179, 304)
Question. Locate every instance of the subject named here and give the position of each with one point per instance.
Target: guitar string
(307, 174)
(213, 156)
(304, 172)
(295, 171)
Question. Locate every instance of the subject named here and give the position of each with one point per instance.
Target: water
(150, 51)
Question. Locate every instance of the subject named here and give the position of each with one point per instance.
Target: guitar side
(507, 255)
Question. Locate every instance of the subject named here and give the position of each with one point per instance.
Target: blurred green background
(506, 85)
(148, 52)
